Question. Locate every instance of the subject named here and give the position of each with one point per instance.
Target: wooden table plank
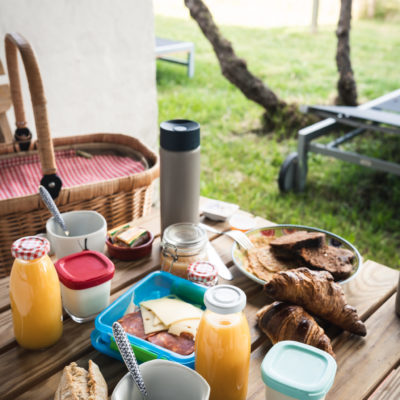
(35, 366)
(390, 387)
(362, 362)
(4, 294)
(374, 281)
(126, 273)
(379, 282)
(255, 301)
(111, 369)
(112, 375)
(370, 292)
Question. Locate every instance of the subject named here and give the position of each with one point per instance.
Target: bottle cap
(179, 135)
(30, 247)
(225, 299)
(202, 272)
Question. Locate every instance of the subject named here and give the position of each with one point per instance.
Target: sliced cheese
(170, 310)
(186, 325)
(151, 322)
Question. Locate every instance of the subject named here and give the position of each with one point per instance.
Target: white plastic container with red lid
(85, 279)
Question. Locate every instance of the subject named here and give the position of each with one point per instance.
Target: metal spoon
(129, 357)
(45, 195)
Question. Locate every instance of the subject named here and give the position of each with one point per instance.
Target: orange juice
(222, 349)
(35, 295)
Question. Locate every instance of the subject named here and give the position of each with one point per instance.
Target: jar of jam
(203, 273)
(182, 244)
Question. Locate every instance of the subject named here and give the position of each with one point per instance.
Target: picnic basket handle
(14, 42)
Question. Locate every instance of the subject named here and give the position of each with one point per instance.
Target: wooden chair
(5, 104)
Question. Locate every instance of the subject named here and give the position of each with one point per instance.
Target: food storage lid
(225, 299)
(184, 236)
(219, 210)
(242, 222)
(202, 272)
(298, 370)
(84, 270)
(179, 135)
(30, 247)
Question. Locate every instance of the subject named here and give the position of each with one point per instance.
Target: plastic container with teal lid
(293, 370)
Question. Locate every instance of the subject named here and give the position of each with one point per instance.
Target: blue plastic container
(155, 285)
(293, 370)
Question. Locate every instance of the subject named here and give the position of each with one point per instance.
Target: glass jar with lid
(182, 244)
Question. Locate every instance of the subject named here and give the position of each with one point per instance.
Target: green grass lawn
(241, 164)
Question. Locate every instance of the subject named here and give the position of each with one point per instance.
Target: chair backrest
(5, 103)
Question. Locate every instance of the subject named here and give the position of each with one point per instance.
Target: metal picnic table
(365, 365)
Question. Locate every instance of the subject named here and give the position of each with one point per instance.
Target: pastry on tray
(284, 321)
(317, 293)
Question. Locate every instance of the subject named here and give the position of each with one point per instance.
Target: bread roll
(96, 383)
(77, 384)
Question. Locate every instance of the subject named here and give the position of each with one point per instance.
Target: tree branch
(347, 89)
(233, 67)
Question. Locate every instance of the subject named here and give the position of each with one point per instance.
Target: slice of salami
(179, 344)
(133, 324)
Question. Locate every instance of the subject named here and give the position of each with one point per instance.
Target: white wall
(262, 13)
(97, 63)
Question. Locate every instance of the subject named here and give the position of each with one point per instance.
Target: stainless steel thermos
(179, 171)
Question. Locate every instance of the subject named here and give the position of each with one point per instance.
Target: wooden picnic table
(365, 365)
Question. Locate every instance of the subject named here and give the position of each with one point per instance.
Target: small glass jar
(203, 273)
(182, 244)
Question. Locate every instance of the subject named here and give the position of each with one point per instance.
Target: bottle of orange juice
(35, 294)
(222, 343)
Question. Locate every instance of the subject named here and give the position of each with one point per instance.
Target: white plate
(238, 255)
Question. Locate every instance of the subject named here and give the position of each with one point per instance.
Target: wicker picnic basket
(118, 199)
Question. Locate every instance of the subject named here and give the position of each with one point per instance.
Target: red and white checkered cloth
(20, 176)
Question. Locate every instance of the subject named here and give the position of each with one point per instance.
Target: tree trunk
(233, 67)
(347, 89)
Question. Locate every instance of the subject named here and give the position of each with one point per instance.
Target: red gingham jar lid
(202, 272)
(30, 247)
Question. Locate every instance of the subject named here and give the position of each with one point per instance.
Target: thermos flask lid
(179, 135)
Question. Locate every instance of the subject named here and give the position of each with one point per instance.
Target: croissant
(317, 293)
(284, 321)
